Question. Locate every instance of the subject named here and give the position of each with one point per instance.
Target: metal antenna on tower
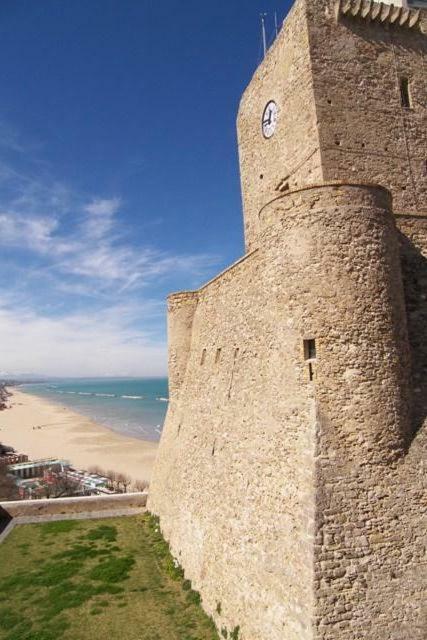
(275, 23)
(264, 39)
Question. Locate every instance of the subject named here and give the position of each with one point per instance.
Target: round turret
(181, 309)
(334, 252)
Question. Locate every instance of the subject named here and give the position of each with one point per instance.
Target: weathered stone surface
(291, 487)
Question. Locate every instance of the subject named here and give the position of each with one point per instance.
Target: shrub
(234, 635)
(193, 597)
(173, 569)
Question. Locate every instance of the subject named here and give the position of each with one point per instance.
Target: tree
(112, 476)
(60, 485)
(124, 480)
(141, 485)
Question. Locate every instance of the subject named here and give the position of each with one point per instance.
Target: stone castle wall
(251, 446)
(290, 484)
(364, 132)
(371, 526)
(225, 458)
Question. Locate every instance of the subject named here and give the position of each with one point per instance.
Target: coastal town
(27, 478)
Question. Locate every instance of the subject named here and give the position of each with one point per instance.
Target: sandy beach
(42, 429)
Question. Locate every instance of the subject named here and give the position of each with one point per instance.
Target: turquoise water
(134, 407)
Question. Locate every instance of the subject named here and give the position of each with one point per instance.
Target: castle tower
(289, 478)
(344, 88)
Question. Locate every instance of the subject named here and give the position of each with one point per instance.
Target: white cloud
(79, 345)
(94, 250)
(101, 214)
(67, 252)
(103, 207)
(34, 233)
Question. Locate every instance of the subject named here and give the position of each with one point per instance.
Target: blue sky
(118, 172)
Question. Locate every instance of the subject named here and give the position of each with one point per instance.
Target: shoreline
(82, 415)
(43, 429)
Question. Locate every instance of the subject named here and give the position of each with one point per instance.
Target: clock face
(269, 119)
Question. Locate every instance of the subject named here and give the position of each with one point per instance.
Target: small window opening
(310, 349)
(236, 353)
(283, 185)
(310, 371)
(405, 95)
(213, 448)
(179, 429)
(203, 358)
(217, 356)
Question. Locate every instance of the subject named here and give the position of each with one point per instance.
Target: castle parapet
(181, 309)
(380, 12)
(335, 196)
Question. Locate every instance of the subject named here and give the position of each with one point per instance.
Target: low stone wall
(72, 506)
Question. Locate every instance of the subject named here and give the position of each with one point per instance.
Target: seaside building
(9, 456)
(41, 478)
(290, 479)
(37, 468)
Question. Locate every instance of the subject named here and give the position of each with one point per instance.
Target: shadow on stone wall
(375, 33)
(414, 271)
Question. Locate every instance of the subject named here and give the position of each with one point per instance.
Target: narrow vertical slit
(405, 95)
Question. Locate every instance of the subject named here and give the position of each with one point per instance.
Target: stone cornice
(379, 12)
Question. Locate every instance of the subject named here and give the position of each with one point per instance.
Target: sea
(134, 407)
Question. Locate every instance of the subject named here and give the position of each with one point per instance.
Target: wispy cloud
(33, 233)
(95, 248)
(101, 214)
(82, 296)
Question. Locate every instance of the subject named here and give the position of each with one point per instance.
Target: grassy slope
(96, 579)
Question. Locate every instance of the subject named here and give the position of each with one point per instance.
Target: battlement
(386, 14)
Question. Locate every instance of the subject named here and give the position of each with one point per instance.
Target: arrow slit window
(405, 94)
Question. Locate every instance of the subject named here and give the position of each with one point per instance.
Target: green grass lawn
(97, 580)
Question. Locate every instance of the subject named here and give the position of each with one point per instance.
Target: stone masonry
(290, 480)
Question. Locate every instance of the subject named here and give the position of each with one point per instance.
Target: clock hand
(269, 119)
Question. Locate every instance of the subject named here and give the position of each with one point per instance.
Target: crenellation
(377, 11)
